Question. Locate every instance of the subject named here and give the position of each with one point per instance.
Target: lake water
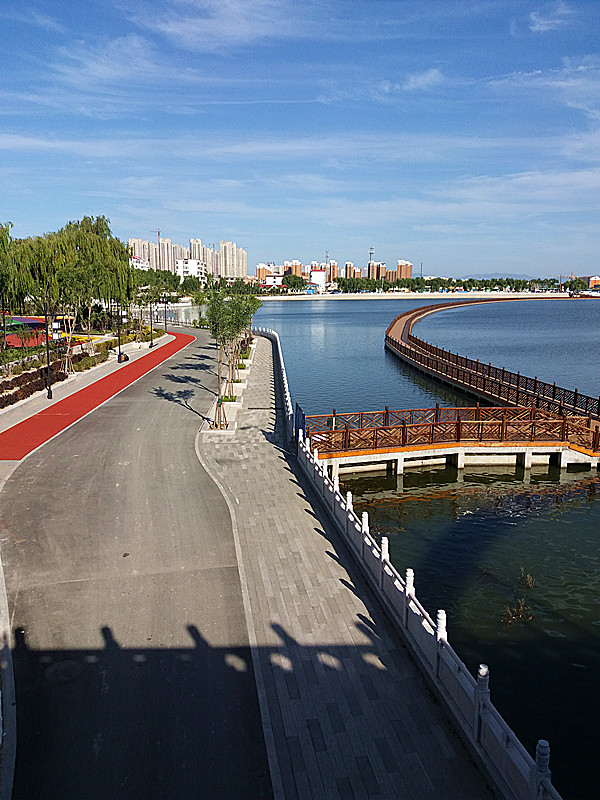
(473, 544)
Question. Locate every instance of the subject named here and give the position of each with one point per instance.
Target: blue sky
(461, 135)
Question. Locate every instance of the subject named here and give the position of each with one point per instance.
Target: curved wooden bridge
(492, 384)
(531, 420)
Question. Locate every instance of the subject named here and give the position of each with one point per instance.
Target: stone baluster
(482, 692)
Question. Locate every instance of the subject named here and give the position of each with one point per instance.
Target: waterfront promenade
(168, 642)
(345, 712)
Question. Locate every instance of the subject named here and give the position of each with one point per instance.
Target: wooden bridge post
(518, 382)
(346, 438)
(387, 417)
(333, 420)
(437, 412)
(575, 398)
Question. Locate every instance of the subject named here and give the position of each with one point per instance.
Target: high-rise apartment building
(230, 261)
(377, 270)
(404, 269)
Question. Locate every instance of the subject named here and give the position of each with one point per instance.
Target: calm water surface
(473, 543)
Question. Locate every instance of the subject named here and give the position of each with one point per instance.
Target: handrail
(287, 398)
(412, 416)
(568, 430)
(493, 383)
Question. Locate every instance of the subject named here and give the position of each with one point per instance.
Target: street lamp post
(165, 313)
(151, 328)
(121, 318)
(48, 378)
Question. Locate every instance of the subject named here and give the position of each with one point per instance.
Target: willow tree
(101, 264)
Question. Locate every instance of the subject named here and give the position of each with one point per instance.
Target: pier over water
(492, 384)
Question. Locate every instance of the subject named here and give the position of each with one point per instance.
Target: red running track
(25, 436)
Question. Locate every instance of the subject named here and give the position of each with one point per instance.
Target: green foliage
(191, 285)
(294, 282)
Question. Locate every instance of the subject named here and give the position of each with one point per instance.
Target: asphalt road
(132, 667)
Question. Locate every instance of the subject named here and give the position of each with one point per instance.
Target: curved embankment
(492, 384)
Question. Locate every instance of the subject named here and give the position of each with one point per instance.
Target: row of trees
(229, 320)
(80, 272)
(461, 284)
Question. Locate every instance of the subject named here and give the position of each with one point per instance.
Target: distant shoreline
(449, 296)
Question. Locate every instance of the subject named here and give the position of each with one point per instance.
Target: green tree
(294, 282)
(6, 273)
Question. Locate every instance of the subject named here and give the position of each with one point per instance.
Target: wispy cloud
(213, 25)
(420, 81)
(550, 20)
(128, 58)
(576, 84)
(34, 18)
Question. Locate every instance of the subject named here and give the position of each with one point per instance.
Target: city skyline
(461, 135)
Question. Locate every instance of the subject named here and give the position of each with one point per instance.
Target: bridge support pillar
(524, 460)
(456, 460)
(335, 469)
(400, 465)
(559, 459)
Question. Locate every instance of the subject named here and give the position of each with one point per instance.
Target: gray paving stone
(350, 715)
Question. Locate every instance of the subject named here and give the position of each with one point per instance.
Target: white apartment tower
(230, 261)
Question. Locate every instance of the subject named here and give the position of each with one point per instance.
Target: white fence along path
(514, 772)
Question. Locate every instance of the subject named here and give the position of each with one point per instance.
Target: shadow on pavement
(138, 723)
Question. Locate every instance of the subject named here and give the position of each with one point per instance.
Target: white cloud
(34, 18)
(420, 81)
(213, 25)
(542, 22)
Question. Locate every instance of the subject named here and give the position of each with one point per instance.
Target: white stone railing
(516, 775)
(287, 398)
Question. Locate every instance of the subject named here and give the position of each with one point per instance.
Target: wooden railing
(504, 430)
(414, 416)
(493, 383)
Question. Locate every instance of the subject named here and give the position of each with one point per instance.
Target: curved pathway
(132, 667)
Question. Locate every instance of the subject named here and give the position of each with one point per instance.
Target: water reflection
(472, 546)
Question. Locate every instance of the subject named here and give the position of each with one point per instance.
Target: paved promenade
(345, 712)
